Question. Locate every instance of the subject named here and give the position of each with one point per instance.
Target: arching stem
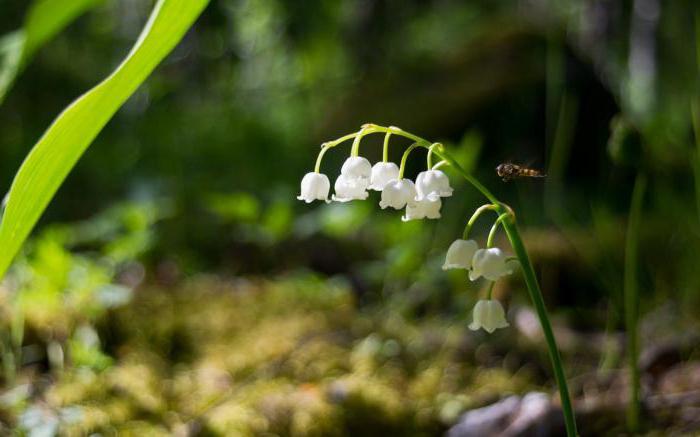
(480, 210)
(385, 155)
(492, 232)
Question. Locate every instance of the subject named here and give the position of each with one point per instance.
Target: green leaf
(53, 157)
(45, 19)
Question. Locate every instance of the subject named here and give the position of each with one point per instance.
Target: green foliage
(44, 20)
(66, 140)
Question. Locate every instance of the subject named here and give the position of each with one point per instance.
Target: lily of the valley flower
(427, 207)
(397, 194)
(353, 180)
(491, 264)
(432, 182)
(357, 167)
(489, 316)
(348, 188)
(460, 254)
(314, 186)
(382, 174)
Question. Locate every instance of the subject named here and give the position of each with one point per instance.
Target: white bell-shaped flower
(428, 207)
(356, 167)
(348, 188)
(314, 186)
(432, 182)
(491, 264)
(398, 193)
(489, 316)
(460, 254)
(382, 174)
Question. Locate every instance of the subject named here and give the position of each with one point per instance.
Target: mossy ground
(288, 357)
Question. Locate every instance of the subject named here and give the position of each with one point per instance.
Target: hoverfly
(508, 171)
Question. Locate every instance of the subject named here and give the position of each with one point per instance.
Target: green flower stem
(632, 297)
(489, 293)
(430, 155)
(385, 155)
(367, 129)
(533, 288)
(319, 158)
(438, 165)
(356, 142)
(404, 158)
(492, 232)
(474, 217)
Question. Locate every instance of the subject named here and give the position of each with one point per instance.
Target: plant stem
(404, 158)
(489, 293)
(533, 289)
(385, 155)
(494, 228)
(319, 158)
(474, 217)
(632, 298)
(430, 155)
(355, 151)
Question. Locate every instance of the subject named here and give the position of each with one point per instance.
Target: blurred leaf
(59, 149)
(45, 19)
(625, 142)
(234, 206)
(278, 219)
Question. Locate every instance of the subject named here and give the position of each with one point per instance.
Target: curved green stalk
(533, 288)
(489, 292)
(385, 154)
(404, 158)
(494, 228)
(474, 217)
(632, 298)
(319, 158)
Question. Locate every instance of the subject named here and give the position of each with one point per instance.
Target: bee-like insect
(508, 171)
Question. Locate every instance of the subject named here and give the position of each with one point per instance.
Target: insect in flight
(508, 171)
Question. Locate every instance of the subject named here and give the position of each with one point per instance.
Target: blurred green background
(176, 286)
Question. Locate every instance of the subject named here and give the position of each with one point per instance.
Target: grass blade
(45, 19)
(58, 150)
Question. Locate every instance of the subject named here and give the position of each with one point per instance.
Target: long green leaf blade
(44, 20)
(58, 150)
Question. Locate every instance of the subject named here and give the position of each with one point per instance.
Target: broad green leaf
(58, 150)
(44, 20)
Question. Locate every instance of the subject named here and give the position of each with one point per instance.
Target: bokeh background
(176, 286)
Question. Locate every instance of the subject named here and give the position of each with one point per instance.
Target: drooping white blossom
(353, 180)
(357, 167)
(489, 316)
(460, 254)
(397, 193)
(348, 188)
(314, 186)
(432, 182)
(491, 264)
(382, 174)
(427, 207)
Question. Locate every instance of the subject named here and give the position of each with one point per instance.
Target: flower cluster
(421, 199)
